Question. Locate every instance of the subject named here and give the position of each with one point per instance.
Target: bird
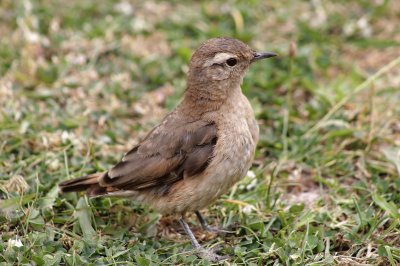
(199, 150)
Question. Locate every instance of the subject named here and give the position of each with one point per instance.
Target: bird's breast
(235, 147)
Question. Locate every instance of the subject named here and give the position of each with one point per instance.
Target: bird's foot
(210, 255)
(201, 252)
(209, 228)
(217, 230)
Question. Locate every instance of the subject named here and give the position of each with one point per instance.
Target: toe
(210, 255)
(218, 230)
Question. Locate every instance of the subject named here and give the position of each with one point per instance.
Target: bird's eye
(231, 61)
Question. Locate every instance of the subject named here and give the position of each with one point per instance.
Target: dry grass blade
(357, 90)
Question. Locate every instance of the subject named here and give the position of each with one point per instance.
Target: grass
(82, 81)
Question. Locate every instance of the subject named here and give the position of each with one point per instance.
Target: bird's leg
(207, 227)
(189, 232)
(201, 252)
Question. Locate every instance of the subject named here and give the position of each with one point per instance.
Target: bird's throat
(208, 97)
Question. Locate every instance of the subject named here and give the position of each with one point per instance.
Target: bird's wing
(172, 151)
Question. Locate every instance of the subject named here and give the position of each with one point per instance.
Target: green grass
(81, 79)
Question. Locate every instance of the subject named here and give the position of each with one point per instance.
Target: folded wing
(167, 155)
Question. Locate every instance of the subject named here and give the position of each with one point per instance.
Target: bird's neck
(210, 97)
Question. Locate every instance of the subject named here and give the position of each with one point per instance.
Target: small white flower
(104, 139)
(364, 26)
(54, 164)
(252, 184)
(294, 256)
(28, 6)
(362, 23)
(64, 136)
(24, 127)
(139, 24)
(251, 174)
(124, 8)
(248, 209)
(15, 243)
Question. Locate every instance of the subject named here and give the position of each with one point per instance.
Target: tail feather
(88, 183)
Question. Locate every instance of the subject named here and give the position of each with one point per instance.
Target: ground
(82, 81)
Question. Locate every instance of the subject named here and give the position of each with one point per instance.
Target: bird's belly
(233, 155)
(231, 162)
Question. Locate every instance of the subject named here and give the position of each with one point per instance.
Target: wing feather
(168, 154)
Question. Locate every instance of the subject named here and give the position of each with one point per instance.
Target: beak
(262, 55)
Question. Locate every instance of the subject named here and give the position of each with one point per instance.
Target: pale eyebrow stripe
(218, 59)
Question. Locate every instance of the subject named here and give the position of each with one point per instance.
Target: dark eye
(231, 62)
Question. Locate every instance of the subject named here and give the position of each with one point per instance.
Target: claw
(210, 255)
(203, 253)
(209, 228)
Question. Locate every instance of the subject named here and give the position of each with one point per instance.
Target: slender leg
(201, 252)
(189, 232)
(202, 221)
(206, 226)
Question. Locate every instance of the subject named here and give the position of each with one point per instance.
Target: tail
(89, 183)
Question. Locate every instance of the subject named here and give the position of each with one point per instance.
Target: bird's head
(222, 60)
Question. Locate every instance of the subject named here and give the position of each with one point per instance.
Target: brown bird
(199, 150)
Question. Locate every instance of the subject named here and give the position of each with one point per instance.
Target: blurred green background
(82, 81)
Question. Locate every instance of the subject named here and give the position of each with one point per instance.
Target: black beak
(262, 55)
